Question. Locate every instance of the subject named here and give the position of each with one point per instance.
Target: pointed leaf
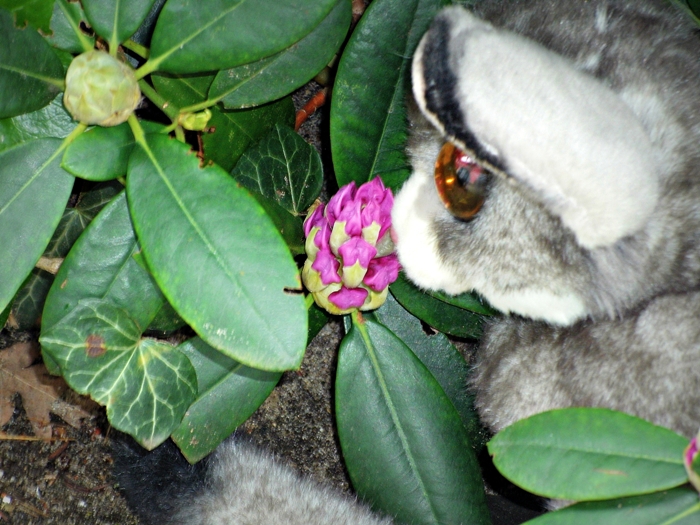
(66, 33)
(115, 21)
(50, 121)
(403, 441)
(230, 132)
(216, 256)
(146, 385)
(192, 36)
(114, 144)
(678, 506)
(585, 454)
(440, 315)
(278, 75)
(30, 72)
(440, 357)
(225, 387)
(368, 118)
(35, 12)
(101, 266)
(29, 302)
(33, 194)
(284, 168)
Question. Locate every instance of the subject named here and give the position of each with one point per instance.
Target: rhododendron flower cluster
(350, 260)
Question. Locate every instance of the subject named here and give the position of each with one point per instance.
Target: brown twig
(318, 100)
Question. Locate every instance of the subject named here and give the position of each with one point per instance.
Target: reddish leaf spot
(95, 345)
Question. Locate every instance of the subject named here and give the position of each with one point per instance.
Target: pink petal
(315, 218)
(348, 297)
(327, 266)
(351, 215)
(381, 272)
(339, 201)
(357, 249)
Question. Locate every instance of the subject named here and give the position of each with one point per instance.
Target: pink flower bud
(350, 259)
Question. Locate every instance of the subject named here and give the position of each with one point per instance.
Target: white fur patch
(558, 130)
(539, 304)
(415, 207)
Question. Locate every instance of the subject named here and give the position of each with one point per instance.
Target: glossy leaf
(31, 179)
(273, 77)
(66, 33)
(192, 36)
(677, 506)
(318, 318)
(466, 301)
(291, 227)
(225, 387)
(440, 357)
(284, 168)
(35, 12)
(368, 118)
(403, 441)
(442, 316)
(29, 301)
(231, 132)
(146, 385)
(585, 454)
(114, 144)
(217, 256)
(50, 121)
(101, 266)
(115, 21)
(30, 72)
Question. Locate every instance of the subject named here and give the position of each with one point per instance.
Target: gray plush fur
(608, 320)
(246, 487)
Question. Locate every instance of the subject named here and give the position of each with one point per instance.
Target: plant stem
(309, 301)
(137, 48)
(201, 105)
(166, 107)
(137, 130)
(73, 135)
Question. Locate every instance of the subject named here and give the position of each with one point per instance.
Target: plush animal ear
(527, 110)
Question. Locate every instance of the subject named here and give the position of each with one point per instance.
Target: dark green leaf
(225, 387)
(678, 506)
(192, 36)
(49, 121)
(76, 218)
(284, 168)
(116, 21)
(166, 320)
(466, 301)
(403, 441)
(146, 385)
(30, 72)
(34, 12)
(318, 318)
(33, 194)
(585, 454)
(217, 256)
(440, 357)
(441, 316)
(368, 118)
(66, 33)
(290, 226)
(29, 302)
(101, 266)
(114, 144)
(231, 132)
(278, 75)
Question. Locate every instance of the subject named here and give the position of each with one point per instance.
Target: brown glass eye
(460, 181)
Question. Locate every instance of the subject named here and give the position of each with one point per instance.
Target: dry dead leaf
(40, 391)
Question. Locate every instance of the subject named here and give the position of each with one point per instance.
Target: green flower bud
(100, 89)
